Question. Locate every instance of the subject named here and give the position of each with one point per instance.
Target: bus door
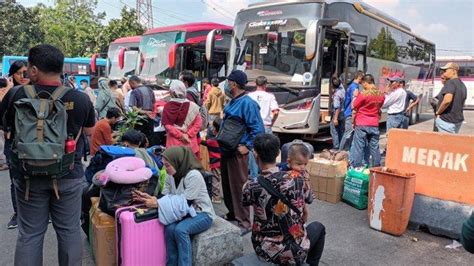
(332, 64)
(355, 55)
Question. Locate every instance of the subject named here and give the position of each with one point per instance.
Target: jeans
(337, 132)
(406, 122)
(33, 216)
(346, 140)
(366, 136)
(395, 121)
(317, 235)
(446, 127)
(178, 238)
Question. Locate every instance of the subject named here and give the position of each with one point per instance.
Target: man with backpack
(193, 95)
(47, 122)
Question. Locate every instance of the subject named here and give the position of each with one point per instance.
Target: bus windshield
(130, 60)
(273, 46)
(155, 49)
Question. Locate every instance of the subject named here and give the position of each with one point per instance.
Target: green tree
(18, 28)
(72, 26)
(384, 46)
(125, 26)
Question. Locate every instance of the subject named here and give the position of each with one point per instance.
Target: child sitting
(215, 161)
(298, 157)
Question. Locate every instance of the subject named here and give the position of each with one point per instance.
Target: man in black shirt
(449, 116)
(410, 102)
(45, 64)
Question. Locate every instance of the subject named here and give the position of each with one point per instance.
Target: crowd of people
(233, 123)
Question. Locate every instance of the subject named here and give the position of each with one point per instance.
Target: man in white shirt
(395, 102)
(267, 102)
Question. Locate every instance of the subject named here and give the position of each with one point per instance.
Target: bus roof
(189, 27)
(131, 39)
(269, 3)
(456, 58)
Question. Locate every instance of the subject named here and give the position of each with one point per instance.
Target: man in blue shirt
(347, 137)
(234, 163)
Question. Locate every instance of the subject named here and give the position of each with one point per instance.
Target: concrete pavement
(349, 239)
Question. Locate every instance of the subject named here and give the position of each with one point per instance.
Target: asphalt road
(349, 240)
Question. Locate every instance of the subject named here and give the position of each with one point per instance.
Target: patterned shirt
(278, 232)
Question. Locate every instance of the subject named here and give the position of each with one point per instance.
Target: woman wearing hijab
(183, 179)
(105, 98)
(181, 119)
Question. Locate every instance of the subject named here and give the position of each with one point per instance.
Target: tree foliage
(126, 25)
(18, 28)
(71, 25)
(384, 46)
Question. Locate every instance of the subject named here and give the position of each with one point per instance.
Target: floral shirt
(278, 233)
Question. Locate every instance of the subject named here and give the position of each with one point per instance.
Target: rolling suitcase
(140, 237)
(286, 147)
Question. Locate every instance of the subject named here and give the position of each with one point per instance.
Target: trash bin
(391, 194)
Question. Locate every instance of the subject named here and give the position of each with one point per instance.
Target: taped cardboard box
(327, 168)
(103, 235)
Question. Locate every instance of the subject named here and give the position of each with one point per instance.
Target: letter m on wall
(409, 154)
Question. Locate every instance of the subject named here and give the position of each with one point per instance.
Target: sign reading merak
(435, 158)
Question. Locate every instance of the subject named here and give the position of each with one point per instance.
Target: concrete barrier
(444, 168)
(219, 245)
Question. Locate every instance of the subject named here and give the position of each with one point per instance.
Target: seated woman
(181, 119)
(279, 234)
(184, 179)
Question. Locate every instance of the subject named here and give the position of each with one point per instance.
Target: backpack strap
(274, 192)
(59, 92)
(30, 91)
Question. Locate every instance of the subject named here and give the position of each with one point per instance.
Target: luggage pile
(356, 187)
(327, 178)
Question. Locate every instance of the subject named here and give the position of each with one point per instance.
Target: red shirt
(368, 105)
(102, 135)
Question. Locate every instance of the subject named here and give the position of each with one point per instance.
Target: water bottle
(70, 146)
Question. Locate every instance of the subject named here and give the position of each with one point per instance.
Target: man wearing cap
(449, 116)
(234, 163)
(395, 102)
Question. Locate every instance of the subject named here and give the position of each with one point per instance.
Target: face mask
(227, 89)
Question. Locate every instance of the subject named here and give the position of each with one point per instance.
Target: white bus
(465, 73)
(299, 44)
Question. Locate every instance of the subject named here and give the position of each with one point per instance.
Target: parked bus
(465, 73)
(122, 57)
(298, 45)
(83, 68)
(166, 51)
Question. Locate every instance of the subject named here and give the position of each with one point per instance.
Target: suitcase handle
(146, 215)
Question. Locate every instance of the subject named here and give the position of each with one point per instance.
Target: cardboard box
(327, 168)
(328, 189)
(328, 197)
(102, 235)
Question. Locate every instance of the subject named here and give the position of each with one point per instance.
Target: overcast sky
(448, 23)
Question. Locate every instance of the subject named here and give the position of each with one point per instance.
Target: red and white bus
(166, 51)
(466, 74)
(122, 57)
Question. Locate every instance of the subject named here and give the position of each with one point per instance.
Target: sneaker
(12, 224)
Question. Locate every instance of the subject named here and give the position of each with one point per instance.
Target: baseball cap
(395, 79)
(239, 77)
(450, 65)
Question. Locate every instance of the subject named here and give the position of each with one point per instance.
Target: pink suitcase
(140, 238)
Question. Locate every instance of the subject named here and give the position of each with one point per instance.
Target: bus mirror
(172, 56)
(94, 63)
(210, 41)
(121, 57)
(310, 40)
